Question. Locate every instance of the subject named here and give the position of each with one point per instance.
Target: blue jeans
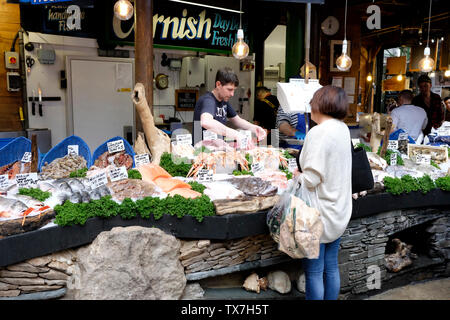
(322, 274)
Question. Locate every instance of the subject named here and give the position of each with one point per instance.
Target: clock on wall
(330, 26)
(162, 81)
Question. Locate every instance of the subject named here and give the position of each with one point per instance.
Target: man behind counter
(213, 110)
(430, 102)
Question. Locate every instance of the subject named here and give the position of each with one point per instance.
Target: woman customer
(326, 166)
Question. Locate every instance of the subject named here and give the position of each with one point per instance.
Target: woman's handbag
(362, 178)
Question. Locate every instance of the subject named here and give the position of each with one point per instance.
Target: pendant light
(369, 77)
(240, 49)
(426, 64)
(123, 9)
(344, 62)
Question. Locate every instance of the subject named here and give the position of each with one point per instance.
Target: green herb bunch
(134, 174)
(179, 169)
(35, 193)
(197, 186)
(407, 184)
(81, 173)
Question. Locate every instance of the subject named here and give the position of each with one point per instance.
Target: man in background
(447, 108)
(430, 102)
(409, 118)
(266, 107)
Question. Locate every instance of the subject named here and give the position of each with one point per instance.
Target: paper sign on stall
(205, 175)
(423, 158)
(393, 145)
(27, 180)
(141, 159)
(115, 146)
(209, 135)
(393, 159)
(292, 164)
(4, 182)
(72, 149)
(403, 136)
(117, 174)
(98, 180)
(257, 167)
(184, 139)
(26, 157)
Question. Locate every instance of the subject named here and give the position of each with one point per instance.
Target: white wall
(275, 53)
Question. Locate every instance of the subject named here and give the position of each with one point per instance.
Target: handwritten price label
(257, 167)
(393, 145)
(98, 180)
(403, 136)
(209, 135)
(292, 164)
(72, 149)
(184, 139)
(393, 159)
(205, 175)
(115, 146)
(117, 174)
(141, 159)
(26, 157)
(243, 143)
(27, 180)
(423, 159)
(4, 182)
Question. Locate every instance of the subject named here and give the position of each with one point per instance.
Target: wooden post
(34, 154)
(143, 46)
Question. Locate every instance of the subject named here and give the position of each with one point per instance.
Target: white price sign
(393, 145)
(257, 167)
(243, 143)
(98, 180)
(205, 175)
(72, 149)
(27, 180)
(184, 139)
(209, 135)
(355, 142)
(403, 136)
(423, 158)
(292, 164)
(443, 131)
(26, 157)
(141, 159)
(393, 159)
(4, 181)
(117, 174)
(115, 146)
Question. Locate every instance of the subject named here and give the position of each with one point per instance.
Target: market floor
(428, 290)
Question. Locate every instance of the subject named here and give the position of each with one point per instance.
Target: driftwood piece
(401, 258)
(376, 135)
(14, 226)
(244, 205)
(387, 132)
(157, 140)
(140, 147)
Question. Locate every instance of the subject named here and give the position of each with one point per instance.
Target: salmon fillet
(185, 192)
(150, 172)
(168, 184)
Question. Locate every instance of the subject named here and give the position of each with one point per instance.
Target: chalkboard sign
(185, 99)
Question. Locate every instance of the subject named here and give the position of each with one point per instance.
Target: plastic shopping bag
(295, 223)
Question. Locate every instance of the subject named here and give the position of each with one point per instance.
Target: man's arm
(286, 129)
(245, 125)
(207, 121)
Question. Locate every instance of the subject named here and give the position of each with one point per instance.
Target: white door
(99, 99)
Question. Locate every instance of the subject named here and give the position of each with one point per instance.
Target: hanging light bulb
(432, 75)
(240, 49)
(426, 64)
(344, 62)
(447, 73)
(369, 77)
(123, 9)
(399, 77)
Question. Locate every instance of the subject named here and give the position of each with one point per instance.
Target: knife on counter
(40, 101)
(33, 105)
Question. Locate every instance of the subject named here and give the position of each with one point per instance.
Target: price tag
(393, 159)
(243, 143)
(209, 135)
(355, 142)
(292, 164)
(393, 145)
(403, 136)
(4, 182)
(257, 167)
(443, 131)
(27, 180)
(184, 139)
(117, 174)
(72, 149)
(115, 146)
(98, 180)
(141, 159)
(423, 158)
(26, 157)
(205, 175)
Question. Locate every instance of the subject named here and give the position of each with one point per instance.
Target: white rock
(251, 283)
(301, 282)
(279, 281)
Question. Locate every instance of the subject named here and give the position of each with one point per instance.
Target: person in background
(430, 102)
(213, 110)
(447, 108)
(266, 107)
(290, 126)
(326, 170)
(409, 118)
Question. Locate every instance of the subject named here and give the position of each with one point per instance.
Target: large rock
(129, 263)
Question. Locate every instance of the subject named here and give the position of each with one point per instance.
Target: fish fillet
(185, 192)
(150, 172)
(169, 184)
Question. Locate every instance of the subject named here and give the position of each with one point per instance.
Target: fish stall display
(14, 168)
(117, 159)
(62, 167)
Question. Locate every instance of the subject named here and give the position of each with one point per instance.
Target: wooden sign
(185, 99)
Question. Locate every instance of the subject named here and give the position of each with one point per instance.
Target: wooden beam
(143, 45)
